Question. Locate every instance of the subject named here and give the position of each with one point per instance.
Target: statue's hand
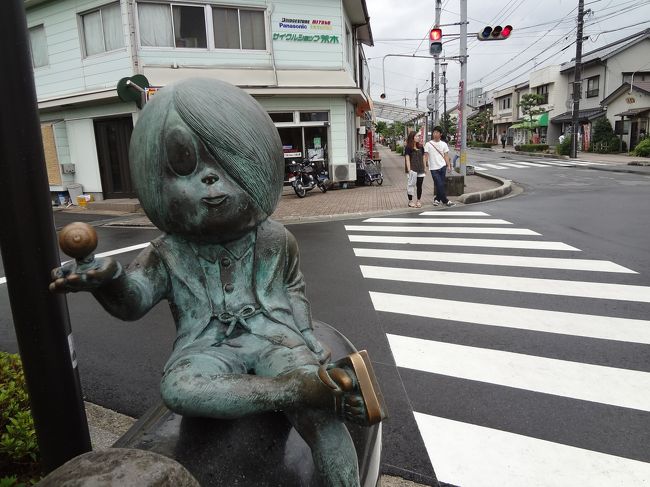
(74, 277)
(315, 346)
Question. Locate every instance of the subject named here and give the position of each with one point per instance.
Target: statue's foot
(355, 388)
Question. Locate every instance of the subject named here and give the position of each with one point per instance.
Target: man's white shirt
(436, 161)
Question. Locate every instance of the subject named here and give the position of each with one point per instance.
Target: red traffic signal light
(435, 34)
(497, 33)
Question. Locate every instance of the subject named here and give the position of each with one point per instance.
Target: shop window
(38, 44)
(282, 117)
(314, 116)
(238, 28)
(592, 86)
(102, 30)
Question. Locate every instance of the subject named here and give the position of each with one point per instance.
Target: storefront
(527, 132)
(586, 119)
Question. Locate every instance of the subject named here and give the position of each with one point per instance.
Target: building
(304, 64)
(630, 102)
(604, 71)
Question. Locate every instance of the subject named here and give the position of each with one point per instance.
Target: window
(102, 30)
(592, 86)
(280, 117)
(543, 91)
(185, 26)
(349, 47)
(38, 44)
(314, 116)
(165, 25)
(236, 28)
(504, 103)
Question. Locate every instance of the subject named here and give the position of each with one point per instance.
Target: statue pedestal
(256, 451)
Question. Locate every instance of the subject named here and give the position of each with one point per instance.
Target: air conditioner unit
(344, 172)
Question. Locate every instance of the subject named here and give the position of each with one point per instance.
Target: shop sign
(305, 30)
(287, 155)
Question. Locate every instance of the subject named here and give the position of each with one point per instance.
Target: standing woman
(415, 168)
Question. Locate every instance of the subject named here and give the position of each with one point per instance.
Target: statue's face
(201, 201)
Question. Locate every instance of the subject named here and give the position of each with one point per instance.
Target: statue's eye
(181, 152)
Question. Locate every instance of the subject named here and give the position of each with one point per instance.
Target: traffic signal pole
(463, 90)
(436, 69)
(577, 83)
(29, 252)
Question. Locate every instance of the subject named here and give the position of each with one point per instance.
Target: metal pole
(444, 98)
(29, 252)
(577, 84)
(436, 58)
(463, 94)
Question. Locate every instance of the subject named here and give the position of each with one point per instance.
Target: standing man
(503, 139)
(436, 152)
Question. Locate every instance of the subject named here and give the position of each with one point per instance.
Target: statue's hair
(234, 127)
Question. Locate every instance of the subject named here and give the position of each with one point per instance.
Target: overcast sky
(401, 27)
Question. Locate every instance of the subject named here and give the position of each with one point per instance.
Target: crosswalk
(525, 363)
(545, 163)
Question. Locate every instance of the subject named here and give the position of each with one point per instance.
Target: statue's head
(206, 161)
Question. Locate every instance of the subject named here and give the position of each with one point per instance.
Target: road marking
(423, 229)
(558, 163)
(587, 382)
(123, 250)
(480, 221)
(583, 289)
(492, 166)
(591, 326)
(491, 259)
(463, 242)
(587, 163)
(471, 455)
(532, 164)
(478, 168)
(512, 164)
(451, 213)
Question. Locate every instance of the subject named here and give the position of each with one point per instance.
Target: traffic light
(435, 46)
(497, 33)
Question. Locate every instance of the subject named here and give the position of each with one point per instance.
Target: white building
(303, 62)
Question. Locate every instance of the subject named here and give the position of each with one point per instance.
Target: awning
(633, 112)
(540, 120)
(583, 116)
(396, 113)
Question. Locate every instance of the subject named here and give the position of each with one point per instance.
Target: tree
(603, 139)
(448, 125)
(479, 125)
(530, 105)
(381, 128)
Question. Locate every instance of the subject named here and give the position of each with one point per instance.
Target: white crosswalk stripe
(462, 442)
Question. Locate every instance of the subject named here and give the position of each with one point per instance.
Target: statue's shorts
(268, 349)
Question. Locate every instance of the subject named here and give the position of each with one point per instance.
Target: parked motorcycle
(306, 175)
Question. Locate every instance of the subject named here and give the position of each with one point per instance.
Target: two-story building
(303, 62)
(604, 71)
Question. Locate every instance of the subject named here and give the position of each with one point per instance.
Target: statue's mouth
(215, 200)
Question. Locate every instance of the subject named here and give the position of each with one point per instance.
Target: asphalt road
(604, 214)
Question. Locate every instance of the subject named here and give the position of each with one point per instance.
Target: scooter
(304, 177)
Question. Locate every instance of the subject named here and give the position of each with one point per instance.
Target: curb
(488, 194)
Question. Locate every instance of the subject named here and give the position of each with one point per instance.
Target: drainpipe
(275, 71)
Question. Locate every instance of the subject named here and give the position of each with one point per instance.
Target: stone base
(454, 184)
(256, 451)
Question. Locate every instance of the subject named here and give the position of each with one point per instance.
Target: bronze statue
(207, 163)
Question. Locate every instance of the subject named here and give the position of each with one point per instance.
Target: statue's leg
(331, 446)
(215, 383)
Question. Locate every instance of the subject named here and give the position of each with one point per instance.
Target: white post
(436, 102)
(463, 78)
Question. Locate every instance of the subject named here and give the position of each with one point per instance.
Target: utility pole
(444, 97)
(462, 103)
(577, 83)
(405, 100)
(436, 58)
(29, 252)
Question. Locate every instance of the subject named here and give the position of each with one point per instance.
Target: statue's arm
(137, 289)
(295, 285)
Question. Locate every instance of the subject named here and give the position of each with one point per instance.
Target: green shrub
(400, 150)
(642, 149)
(18, 446)
(531, 147)
(475, 143)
